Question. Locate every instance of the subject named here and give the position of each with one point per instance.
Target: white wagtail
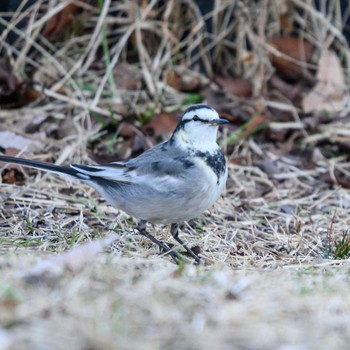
(170, 183)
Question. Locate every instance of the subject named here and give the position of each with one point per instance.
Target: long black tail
(63, 170)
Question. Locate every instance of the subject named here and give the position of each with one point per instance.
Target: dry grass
(275, 246)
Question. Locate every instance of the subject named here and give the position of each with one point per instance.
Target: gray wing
(159, 161)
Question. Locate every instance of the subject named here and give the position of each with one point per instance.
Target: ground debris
(72, 260)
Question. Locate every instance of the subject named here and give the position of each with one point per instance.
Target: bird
(173, 182)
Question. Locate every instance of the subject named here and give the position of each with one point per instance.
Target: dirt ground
(125, 303)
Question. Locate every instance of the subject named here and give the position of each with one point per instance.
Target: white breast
(212, 188)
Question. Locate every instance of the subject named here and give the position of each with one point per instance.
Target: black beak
(219, 121)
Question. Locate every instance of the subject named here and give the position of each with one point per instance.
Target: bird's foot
(175, 256)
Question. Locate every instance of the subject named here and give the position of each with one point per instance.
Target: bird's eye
(195, 118)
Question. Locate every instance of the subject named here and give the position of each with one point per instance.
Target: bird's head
(198, 128)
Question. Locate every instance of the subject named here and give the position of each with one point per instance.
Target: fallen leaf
(173, 79)
(127, 130)
(235, 86)
(184, 80)
(298, 50)
(258, 121)
(61, 20)
(240, 160)
(127, 78)
(30, 93)
(329, 93)
(8, 139)
(11, 151)
(161, 124)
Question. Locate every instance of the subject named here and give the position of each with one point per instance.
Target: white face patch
(195, 129)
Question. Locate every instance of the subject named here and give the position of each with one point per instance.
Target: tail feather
(112, 172)
(52, 168)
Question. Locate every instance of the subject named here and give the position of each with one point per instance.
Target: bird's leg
(141, 227)
(175, 233)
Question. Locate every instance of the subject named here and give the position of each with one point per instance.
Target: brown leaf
(30, 94)
(173, 79)
(61, 20)
(300, 51)
(162, 124)
(235, 86)
(183, 80)
(128, 130)
(127, 78)
(255, 123)
(238, 160)
(230, 117)
(12, 151)
(329, 93)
